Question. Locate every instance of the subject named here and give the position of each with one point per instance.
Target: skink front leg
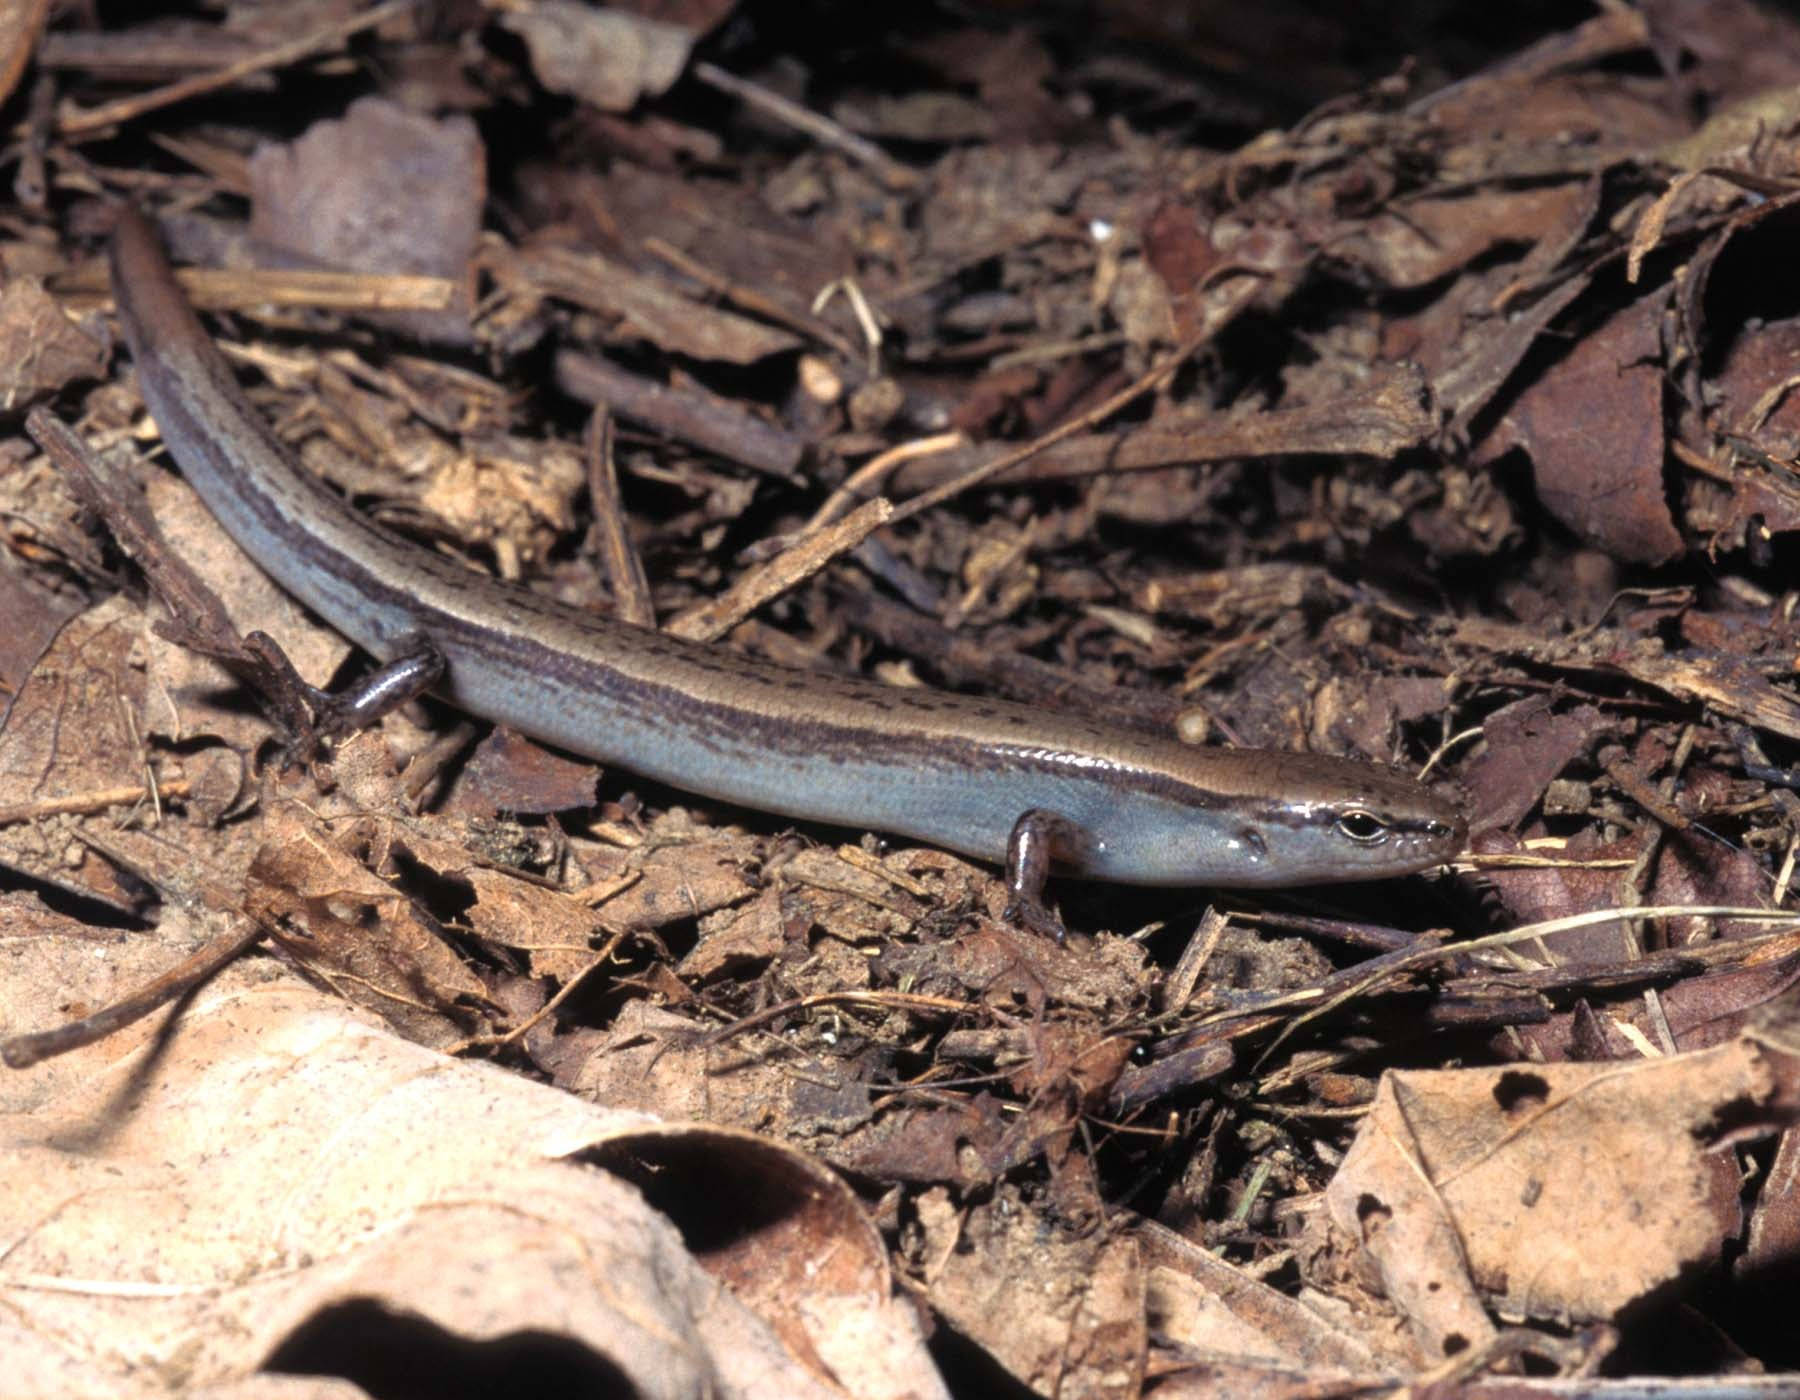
(1039, 839)
(313, 716)
(412, 671)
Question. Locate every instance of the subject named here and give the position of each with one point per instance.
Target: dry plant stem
(748, 299)
(1277, 1008)
(687, 413)
(1146, 383)
(822, 129)
(883, 1000)
(792, 566)
(1178, 985)
(866, 479)
(624, 570)
(1355, 935)
(24, 1051)
(1484, 1011)
(31, 186)
(228, 170)
(1058, 350)
(126, 108)
(95, 801)
(231, 289)
(1367, 976)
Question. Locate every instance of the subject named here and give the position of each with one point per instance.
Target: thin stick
(24, 1051)
(111, 113)
(861, 484)
(822, 129)
(794, 565)
(624, 570)
(94, 801)
(1149, 382)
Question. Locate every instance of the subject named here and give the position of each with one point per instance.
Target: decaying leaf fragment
(1063, 1313)
(1593, 426)
(1564, 1191)
(381, 190)
(605, 57)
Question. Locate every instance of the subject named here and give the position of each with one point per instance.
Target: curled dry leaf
(196, 1200)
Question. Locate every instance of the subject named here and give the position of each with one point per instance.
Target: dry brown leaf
(354, 929)
(509, 773)
(751, 935)
(190, 1201)
(1565, 1191)
(1064, 1312)
(70, 733)
(41, 348)
(1593, 425)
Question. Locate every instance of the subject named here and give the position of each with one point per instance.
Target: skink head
(1300, 819)
(1336, 819)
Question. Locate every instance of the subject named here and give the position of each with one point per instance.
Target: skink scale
(988, 778)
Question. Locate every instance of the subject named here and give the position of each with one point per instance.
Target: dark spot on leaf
(1519, 1089)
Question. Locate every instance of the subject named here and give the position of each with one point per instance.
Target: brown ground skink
(989, 778)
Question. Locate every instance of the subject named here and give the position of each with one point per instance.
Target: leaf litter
(1441, 418)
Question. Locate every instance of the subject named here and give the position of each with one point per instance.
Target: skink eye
(1365, 828)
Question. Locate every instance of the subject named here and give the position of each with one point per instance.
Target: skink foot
(1038, 838)
(1033, 916)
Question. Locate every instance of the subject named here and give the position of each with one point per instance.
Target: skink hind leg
(313, 717)
(413, 670)
(1039, 839)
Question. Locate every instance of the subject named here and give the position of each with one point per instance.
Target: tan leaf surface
(1206, 1306)
(189, 1200)
(355, 929)
(1554, 1190)
(71, 742)
(1064, 1314)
